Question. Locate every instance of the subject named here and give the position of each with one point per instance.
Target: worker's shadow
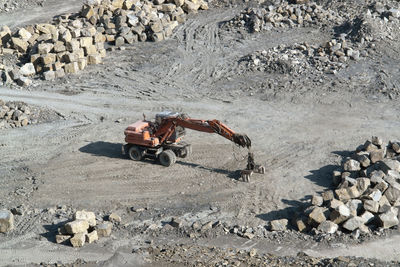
(104, 149)
(230, 174)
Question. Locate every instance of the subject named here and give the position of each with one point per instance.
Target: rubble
(70, 42)
(366, 200)
(19, 114)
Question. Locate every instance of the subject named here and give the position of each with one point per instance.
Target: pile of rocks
(6, 221)
(283, 15)
(17, 114)
(367, 193)
(300, 58)
(71, 42)
(82, 229)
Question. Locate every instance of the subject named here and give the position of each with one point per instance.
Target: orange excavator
(162, 139)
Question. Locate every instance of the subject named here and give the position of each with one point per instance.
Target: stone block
(73, 45)
(71, 67)
(60, 73)
(99, 38)
(317, 200)
(78, 240)
(377, 155)
(89, 50)
(88, 216)
(62, 238)
(119, 41)
(368, 217)
(168, 8)
(77, 226)
(87, 12)
(19, 44)
(24, 34)
(353, 191)
(88, 31)
(301, 224)
(92, 237)
(132, 20)
(176, 222)
(6, 221)
(27, 69)
(104, 229)
(179, 3)
(353, 223)
(318, 215)
(45, 48)
(279, 225)
(351, 165)
(94, 59)
(374, 194)
(396, 147)
(59, 47)
(389, 218)
(334, 203)
(70, 57)
(86, 41)
(377, 141)
(377, 176)
(355, 206)
(342, 194)
(128, 4)
(371, 206)
(76, 33)
(24, 81)
(362, 184)
(364, 160)
(49, 75)
(48, 59)
(190, 7)
(82, 63)
(392, 194)
(328, 227)
(117, 3)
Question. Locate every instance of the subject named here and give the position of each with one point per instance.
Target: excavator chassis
(166, 153)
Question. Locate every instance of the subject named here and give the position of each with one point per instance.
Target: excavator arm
(168, 126)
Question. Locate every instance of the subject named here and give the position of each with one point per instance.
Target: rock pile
(17, 114)
(367, 193)
(71, 42)
(300, 58)
(283, 15)
(83, 229)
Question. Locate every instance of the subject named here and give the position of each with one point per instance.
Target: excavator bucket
(242, 140)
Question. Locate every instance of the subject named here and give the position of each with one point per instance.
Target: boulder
(377, 155)
(6, 221)
(389, 165)
(368, 217)
(377, 141)
(318, 215)
(362, 184)
(279, 225)
(392, 194)
(317, 200)
(19, 45)
(377, 176)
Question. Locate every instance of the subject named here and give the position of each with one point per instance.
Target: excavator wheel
(135, 153)
(167, 158)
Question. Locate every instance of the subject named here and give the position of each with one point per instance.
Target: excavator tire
(167, 158)
(135, 153)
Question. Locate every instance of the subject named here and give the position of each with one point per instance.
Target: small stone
(334, 203)
(78, 240)
(205, 227)
(387, 165)
(368, 217)
(301, 224)
(364, 161)
(92, 237)
(328, 227)
(279, 225)
(49, 75)
(318, 215)
(374, 194)
(23, 81)
(355, 205)
(176, 222)
(77, 226)
(113, 217)
(327, 195)
(119, 41)
(393, 195)
(6, 221)
(62, 238)
(377, 176)
(104, 229)
(252, 252)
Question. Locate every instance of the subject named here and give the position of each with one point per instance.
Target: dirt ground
(300, 127)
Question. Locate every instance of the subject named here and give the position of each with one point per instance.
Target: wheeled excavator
(162, 139)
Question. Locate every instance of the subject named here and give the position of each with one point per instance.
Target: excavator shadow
(104, 149)
(230, 174)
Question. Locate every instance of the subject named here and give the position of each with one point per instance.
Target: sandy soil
(299, 134)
